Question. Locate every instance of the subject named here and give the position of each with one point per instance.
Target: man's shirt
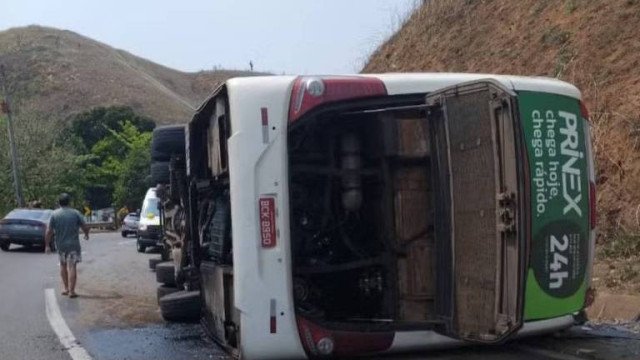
(66, 223)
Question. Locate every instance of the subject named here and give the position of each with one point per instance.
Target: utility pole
(5, 107)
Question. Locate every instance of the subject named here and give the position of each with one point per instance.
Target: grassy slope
(62, 72)
(594, 44)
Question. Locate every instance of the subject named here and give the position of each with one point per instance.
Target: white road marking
(61, 328)
(126, 242)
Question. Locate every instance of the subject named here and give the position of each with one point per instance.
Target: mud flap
(479, 247)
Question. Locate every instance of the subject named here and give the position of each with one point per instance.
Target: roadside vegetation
(112, 145)
(48, 165)
(101, 157)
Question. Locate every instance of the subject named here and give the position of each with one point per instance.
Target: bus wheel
(153, 262)
(181, 306)
(165, 273)
(165, 290)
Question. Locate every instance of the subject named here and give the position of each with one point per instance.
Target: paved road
(116, 316)
(25, 332)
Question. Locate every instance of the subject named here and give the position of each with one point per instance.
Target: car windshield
(29, 214)
(132, 216)
(150, 207)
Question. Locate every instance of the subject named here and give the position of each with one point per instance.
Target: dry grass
(593, 44)
(61, 73)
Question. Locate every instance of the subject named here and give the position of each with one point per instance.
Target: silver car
(130, 225)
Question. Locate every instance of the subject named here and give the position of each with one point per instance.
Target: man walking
(64, 224)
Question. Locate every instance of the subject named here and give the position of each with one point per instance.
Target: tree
(94, 125)
(120, 165)
(48, 164)
(133, 181)
(104, 136)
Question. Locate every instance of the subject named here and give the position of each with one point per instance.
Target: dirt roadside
(116, 288)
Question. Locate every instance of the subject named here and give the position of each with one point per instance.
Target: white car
(149, 231)
(130, 224)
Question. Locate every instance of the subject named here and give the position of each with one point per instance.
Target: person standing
(64, 225)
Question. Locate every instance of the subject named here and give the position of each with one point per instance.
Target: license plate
(267, 211)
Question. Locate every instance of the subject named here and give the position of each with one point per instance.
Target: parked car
(130, 224)
(351, 215)
(149, 231)
(24, 227)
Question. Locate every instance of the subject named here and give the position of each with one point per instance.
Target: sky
(279, 36)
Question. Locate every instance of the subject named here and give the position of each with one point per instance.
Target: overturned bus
(348, 215)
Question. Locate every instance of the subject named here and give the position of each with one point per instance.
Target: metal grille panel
(473, 188)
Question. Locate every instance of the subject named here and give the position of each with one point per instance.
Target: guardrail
(108, 225)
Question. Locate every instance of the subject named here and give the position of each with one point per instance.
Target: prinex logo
(571, 173)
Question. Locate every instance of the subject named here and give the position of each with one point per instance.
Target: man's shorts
(70, 257)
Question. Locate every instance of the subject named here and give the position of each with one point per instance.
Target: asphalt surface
(116, 316)
(25, 332)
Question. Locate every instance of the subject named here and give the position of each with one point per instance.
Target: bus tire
(165, 273)
(181, 306)
(160, 172)
(153, 262)
(167, 141)
(165, 290)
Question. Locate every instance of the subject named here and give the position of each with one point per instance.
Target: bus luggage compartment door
(479, 247)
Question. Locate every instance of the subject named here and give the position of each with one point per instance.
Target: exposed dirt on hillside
(61, 73)
(594, 44)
